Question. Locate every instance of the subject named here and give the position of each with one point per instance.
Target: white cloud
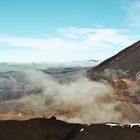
(75, 43)
(109, 35)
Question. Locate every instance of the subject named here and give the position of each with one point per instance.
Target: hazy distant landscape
(14, 76)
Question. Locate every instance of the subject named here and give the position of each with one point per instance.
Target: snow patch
(82, 129)
(112, 124)
(134, 124)
(88, 124)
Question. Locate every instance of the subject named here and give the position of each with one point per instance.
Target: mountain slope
(52, 129)
(125, 64)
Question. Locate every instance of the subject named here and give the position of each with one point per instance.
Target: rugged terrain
(123, 72)
(52, 129)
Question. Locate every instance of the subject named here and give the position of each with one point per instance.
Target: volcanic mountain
(125, 64)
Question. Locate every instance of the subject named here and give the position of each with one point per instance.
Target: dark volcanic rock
(125, 64)
(52, 129)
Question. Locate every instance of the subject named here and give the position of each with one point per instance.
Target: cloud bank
(73, 43)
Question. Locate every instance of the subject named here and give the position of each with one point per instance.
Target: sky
(66, 30)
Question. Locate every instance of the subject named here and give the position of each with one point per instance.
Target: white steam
(81, 101)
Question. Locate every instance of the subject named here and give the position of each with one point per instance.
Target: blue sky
(66, 30)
